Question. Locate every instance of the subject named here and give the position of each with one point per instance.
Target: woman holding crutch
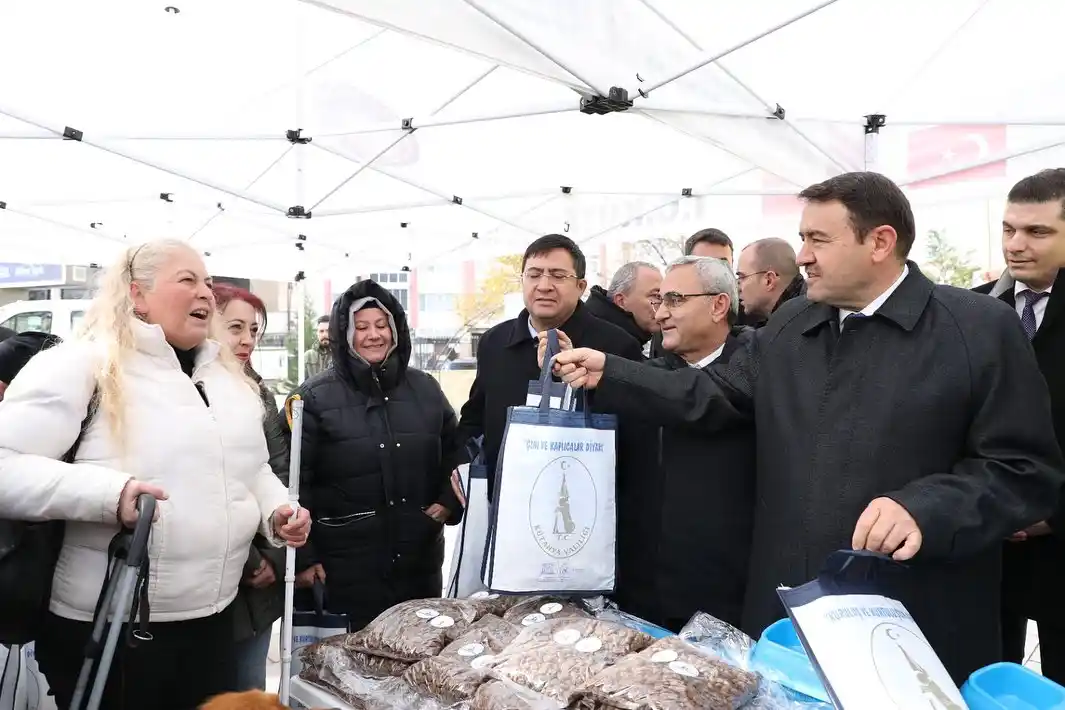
(178, 418)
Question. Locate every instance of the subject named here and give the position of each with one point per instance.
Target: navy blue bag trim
(544, 415)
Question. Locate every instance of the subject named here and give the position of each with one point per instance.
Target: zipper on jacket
(202, 392)
(390, 489)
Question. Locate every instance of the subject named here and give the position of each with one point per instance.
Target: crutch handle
(138, 546)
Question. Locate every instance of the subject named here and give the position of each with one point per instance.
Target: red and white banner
(949, 149)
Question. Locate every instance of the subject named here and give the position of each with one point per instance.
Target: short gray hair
(715, 276)
(625, 277)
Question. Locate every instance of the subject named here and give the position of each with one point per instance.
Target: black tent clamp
(616, 101)
(874, 122)
(125, 587)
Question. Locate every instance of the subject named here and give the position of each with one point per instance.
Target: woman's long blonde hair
(109, 324)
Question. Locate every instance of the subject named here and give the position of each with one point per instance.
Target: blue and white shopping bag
(554, 522)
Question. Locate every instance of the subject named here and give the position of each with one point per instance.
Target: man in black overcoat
(1033, 244)
(892, 414)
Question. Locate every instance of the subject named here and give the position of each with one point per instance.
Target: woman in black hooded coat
(379, 446)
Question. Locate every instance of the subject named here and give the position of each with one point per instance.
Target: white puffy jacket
(210, 460)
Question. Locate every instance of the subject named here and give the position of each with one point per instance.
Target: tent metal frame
(643, 104)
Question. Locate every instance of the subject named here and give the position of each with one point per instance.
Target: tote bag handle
(573, 400)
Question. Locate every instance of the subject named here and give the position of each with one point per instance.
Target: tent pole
(770, 109)
(726, 112)
(358, 170)
(455, 199)
(717, 145)
(300, 99)
(873, 123)
(476, 5)
(1001, 157)
(454, 97)
(93, 232)
(711, 57)
(220, 208)
(432, 203)
(677, 198)
(51, 135)
(430, 122)
(78, 136)
(407, 132)
(956, 121)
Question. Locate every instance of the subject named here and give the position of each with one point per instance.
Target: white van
(58, 317)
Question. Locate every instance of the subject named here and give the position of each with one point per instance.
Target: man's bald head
(773, 254)
(765, 269)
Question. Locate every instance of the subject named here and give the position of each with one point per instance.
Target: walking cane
(294, 412)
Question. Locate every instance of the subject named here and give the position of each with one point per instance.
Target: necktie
(1028, 313)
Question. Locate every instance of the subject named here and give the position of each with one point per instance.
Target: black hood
(600, 306)
(350, 366)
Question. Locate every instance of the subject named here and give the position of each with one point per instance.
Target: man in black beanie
(16, 351)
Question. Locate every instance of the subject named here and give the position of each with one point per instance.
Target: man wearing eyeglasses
(768, 278)
(553, 272)
(677, 503)
(893, 415)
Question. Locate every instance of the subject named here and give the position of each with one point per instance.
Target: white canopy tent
(282, 137)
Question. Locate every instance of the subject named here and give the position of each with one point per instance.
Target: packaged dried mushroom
(458, 671)
(415, 630)
(492, 603)
(558, 657)
(670, 675)
(489, 634)
(448, 680)
(501, 695)
(536, 610)
(317, 654)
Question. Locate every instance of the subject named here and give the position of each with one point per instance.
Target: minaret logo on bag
(562, 507)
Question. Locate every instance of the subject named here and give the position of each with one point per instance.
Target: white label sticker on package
(427, 613)
(567, 637)
(551, 608)
(442, 622)
(589, 645)
(481, 662)
(471, 649)
(684, 669)
(664, 657)
(533, 619)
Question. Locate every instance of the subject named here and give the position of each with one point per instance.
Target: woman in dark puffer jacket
(379, 446)
(261, 597)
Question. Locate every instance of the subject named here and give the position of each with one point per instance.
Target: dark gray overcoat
(934, 401)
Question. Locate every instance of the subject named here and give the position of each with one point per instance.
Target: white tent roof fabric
(194, 105)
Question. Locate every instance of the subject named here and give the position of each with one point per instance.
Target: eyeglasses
(740, 276)
(672, 299)
(554, 276)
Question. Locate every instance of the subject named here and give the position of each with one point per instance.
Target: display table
(304, 696)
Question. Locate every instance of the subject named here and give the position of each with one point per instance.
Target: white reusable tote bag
(472, 535)
(554, 523)
(22, 685)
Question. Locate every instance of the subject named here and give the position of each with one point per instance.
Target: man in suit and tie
(1033, 244)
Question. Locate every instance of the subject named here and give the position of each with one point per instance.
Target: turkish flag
(941, 148)
(779, 205)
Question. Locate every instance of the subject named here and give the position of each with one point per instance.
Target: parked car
(58, 317)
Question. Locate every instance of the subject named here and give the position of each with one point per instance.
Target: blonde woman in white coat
(177, 418)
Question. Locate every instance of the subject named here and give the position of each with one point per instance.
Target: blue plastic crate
(1007, 686)
(779, 656)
